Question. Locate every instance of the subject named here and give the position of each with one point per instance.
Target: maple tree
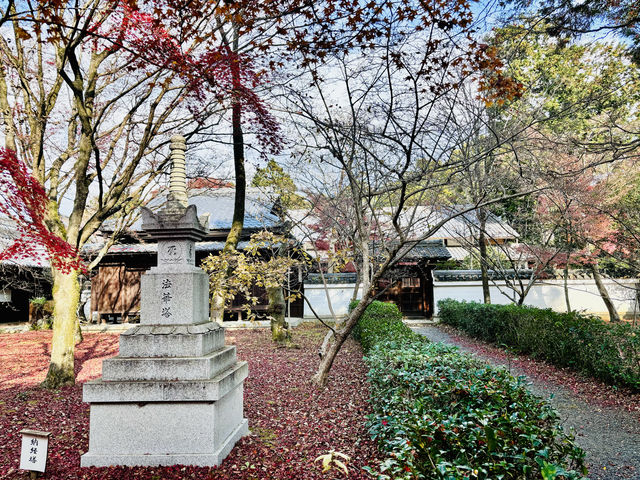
(624, 211)
(483, 133)
(579, 215)
(24, 201)
(562, 209)
(577, 100)
(132, 75)
(394, 136)
(376, 122)
(574, 217)
(278, 31)
(265, 262)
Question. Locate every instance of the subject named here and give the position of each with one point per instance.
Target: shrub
(380, 320)
(40, 313)
(440, 414)
(610, 352)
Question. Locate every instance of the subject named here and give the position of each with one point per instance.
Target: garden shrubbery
(440, 414)
(380, 321)
(610, 352)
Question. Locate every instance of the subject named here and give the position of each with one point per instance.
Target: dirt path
(610, 436)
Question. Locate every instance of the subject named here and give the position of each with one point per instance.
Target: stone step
(100, 391)
(172, 341)
(168, 369)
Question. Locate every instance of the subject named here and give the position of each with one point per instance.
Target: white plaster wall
(583, 295)
(5, 295)
(339, 295)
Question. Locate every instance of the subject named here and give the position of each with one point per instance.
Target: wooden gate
(115, 292)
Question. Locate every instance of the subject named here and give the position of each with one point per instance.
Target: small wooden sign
(34, 450)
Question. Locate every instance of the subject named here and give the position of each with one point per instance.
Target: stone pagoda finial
(178, 178)
(177, 221)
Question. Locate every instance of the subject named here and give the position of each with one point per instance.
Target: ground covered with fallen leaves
(292, 422)
(590, 389)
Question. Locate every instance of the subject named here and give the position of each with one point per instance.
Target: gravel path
(609, 436)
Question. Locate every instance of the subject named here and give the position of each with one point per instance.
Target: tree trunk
(238, 161)
(78, 337)
(280, 332)
(217, 308)
(522, 295)
(613, 313)
(363, 278)
(354, 295)
(366, 263)
(482, 246)
(66, 296)
(237, 224)
(566, 285)
(322, 375)
(233, 236)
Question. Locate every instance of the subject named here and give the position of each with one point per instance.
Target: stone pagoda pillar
(174, 393)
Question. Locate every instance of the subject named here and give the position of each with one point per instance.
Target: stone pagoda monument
(174, 394)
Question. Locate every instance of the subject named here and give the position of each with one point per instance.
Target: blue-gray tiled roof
(425, 249)
(219, 204)
(475, 275)
(331, 278)
(133, 248)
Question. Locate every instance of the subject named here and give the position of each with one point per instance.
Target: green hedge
(610, 352)
(380, 321)
(440, 414)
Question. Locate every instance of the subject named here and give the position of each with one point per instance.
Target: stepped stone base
(171, 341)
(99, 391)
(182, 368)
(175, 398)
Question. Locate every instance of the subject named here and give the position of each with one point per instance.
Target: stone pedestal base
(162, 442)
(176, 398)
(153, 460)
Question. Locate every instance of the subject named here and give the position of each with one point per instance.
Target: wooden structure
(115, 282)
(410, 284)
(115, 285)
(115, 288)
